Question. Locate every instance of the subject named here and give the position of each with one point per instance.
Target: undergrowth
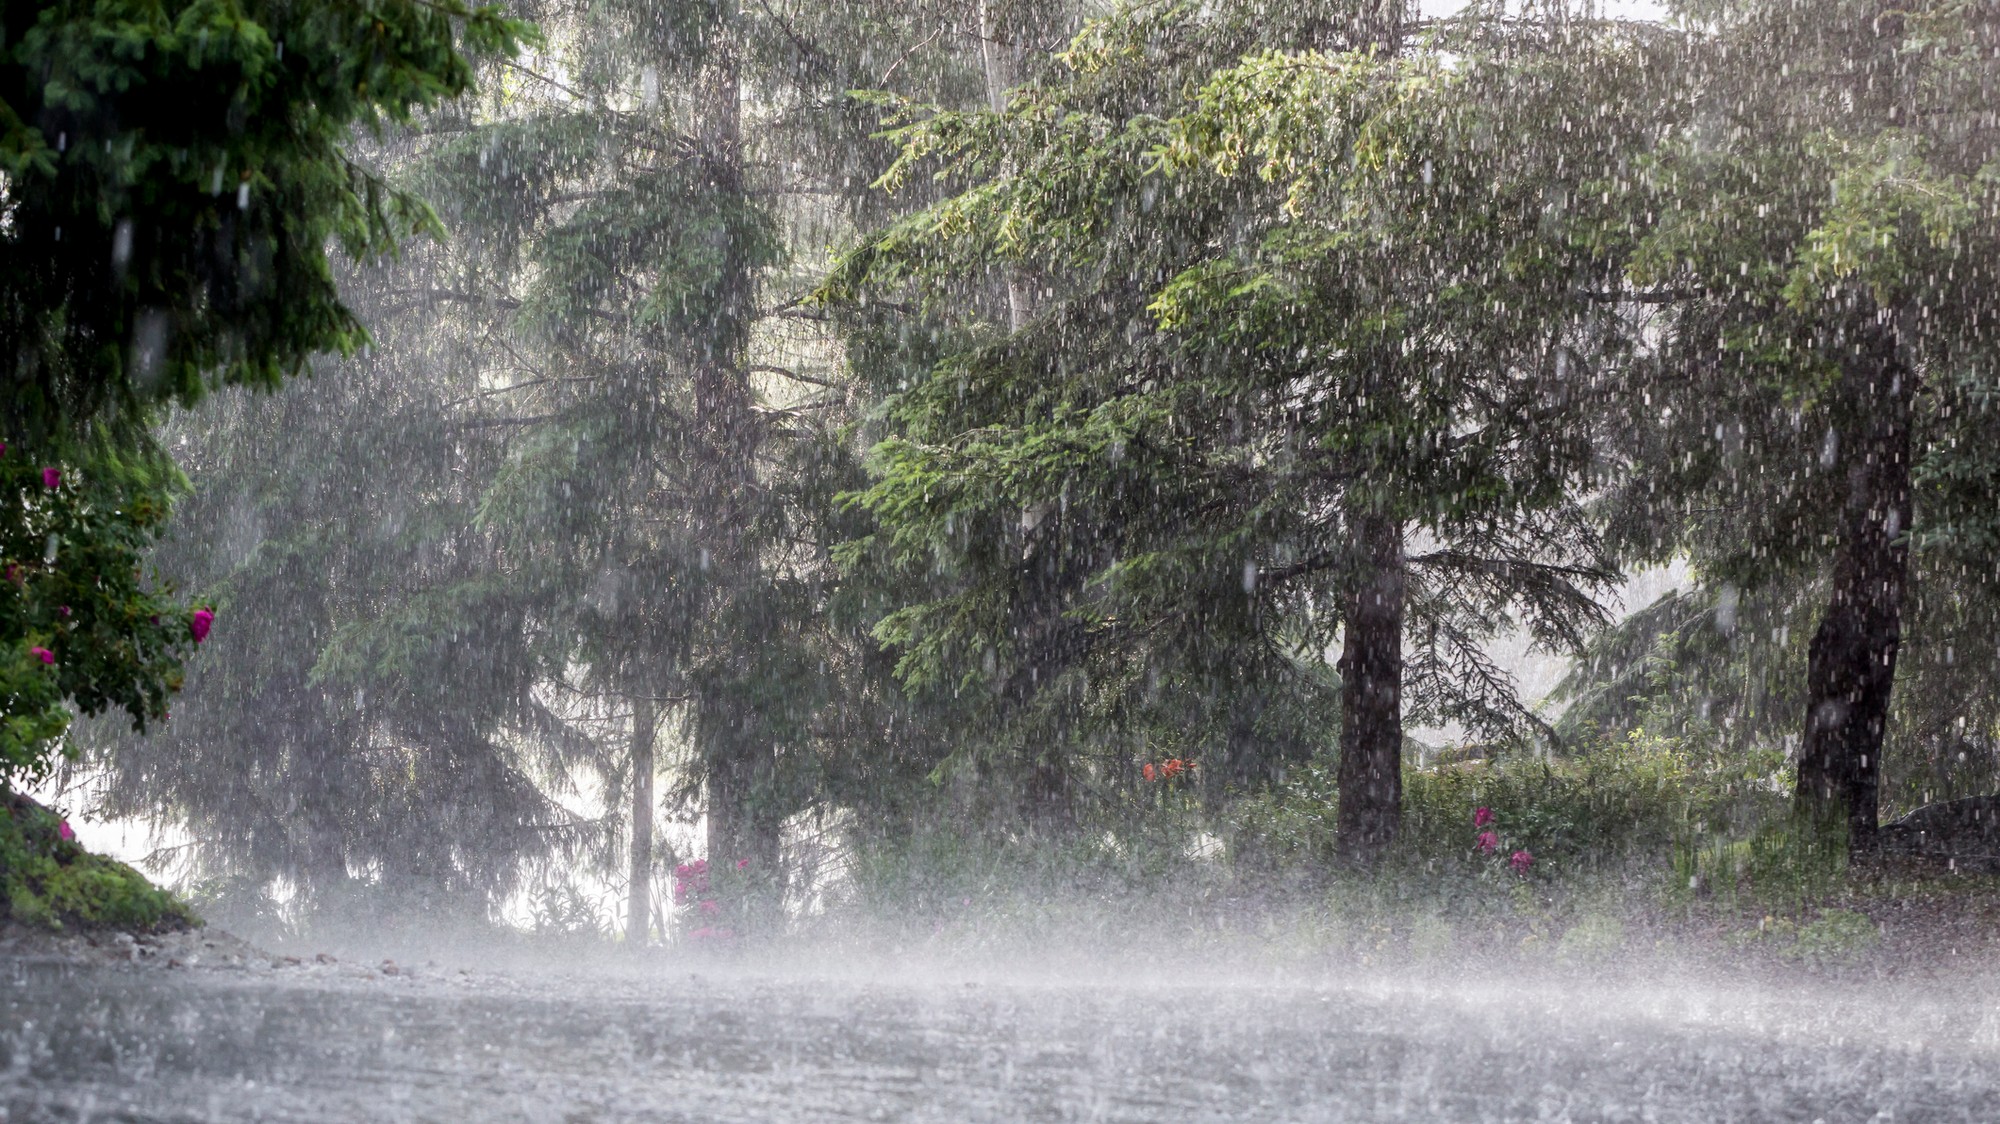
(1585, 858)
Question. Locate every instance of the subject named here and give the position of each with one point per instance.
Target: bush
(1616, 808)
(1780, 864)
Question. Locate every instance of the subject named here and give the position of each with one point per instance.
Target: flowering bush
(82, 630)
(693, 886)
(1487, 842)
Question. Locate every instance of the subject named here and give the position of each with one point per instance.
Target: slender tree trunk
(1852, 660)
(1000, 63)
(639, 897)
(1046, 789)
(1370, 779)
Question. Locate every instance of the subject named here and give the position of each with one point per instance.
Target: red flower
(1148, 771)
(52, 478)
(1521, 861)
(1482, 816)
(199, 624)
(1488, 842)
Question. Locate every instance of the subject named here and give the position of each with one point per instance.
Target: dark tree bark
(639, 896)
(743, 822)
(1852, 661)
(1370, 779)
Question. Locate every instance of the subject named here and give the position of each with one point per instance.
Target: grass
(1641, 849)
(51, 883)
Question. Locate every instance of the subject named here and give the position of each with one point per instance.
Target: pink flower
(741, 863)
(63, 831)
(199, 624)
(1521, 861)
(1488, 842)
(62, 610)
(681, 871)
(709, 907)
(52, 478)
(44, 655)
(1482, 816)
(699, 866)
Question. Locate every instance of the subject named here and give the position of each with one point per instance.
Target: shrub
(1611, 809)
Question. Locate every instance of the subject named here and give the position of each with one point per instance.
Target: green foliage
(1793, 234)
(172, 178)
(1615, 809)
(1833, 938)
(1782, 863)
(47, 881)
(175, 174)
(591, 455)
(81, 629)
(1275, 293)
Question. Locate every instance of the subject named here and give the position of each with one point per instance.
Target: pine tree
(1819, 234)
(1304, 365)
(587, 472)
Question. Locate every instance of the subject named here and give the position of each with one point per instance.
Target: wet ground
(226, 1040)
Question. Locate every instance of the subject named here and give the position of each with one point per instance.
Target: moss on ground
(49, 882)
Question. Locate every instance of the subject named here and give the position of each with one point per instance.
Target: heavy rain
(999, 560)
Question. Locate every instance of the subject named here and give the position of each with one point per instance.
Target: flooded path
(109, 1044)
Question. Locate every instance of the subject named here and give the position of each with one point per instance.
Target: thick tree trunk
(743, 823)
(639, 896)
(1371, 696)
(742, 820)
(1852, 659)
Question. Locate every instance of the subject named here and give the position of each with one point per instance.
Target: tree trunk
(1000, 64)
(639, 896)
(742, 820)
(1371, 694)
(1852, 660)
(741, 759)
